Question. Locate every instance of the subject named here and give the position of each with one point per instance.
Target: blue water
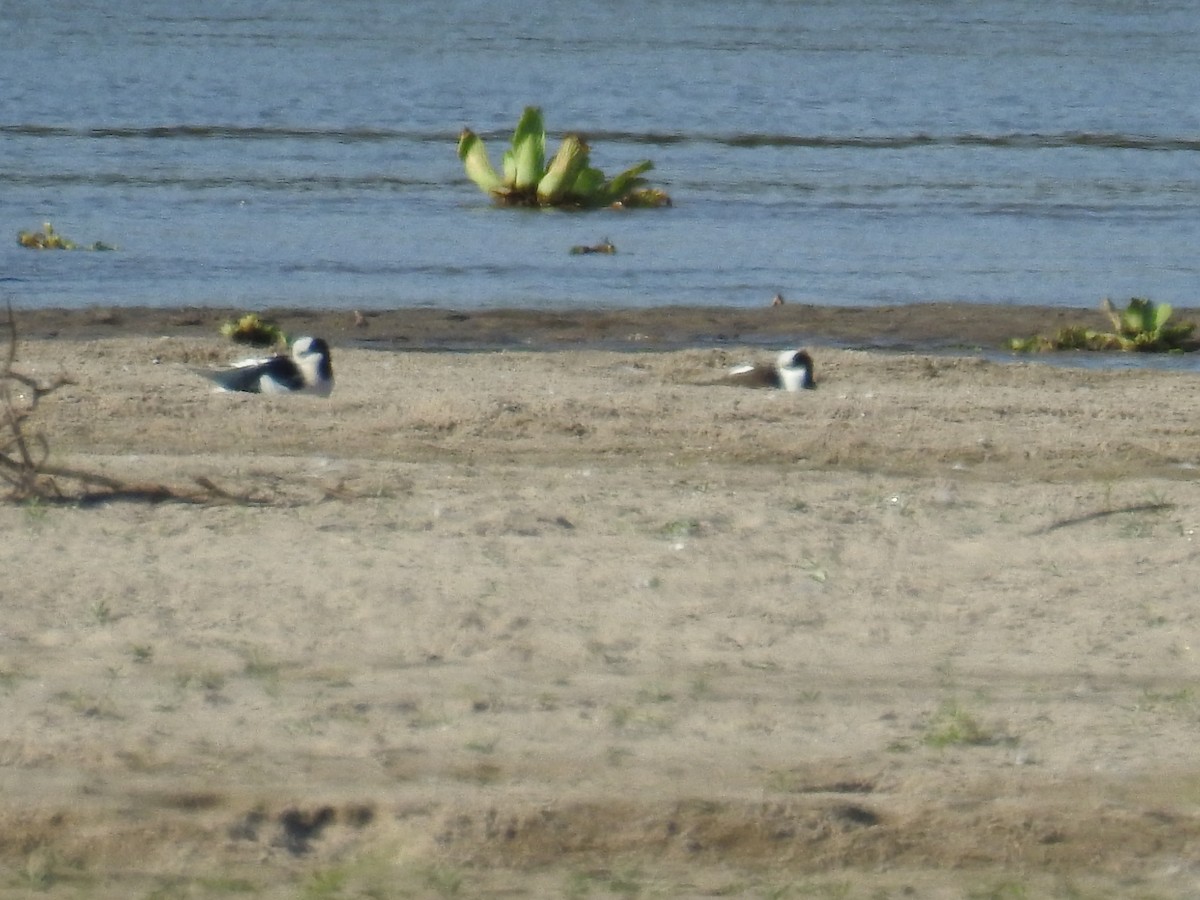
(846, 152)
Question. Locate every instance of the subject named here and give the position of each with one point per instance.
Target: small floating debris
(49, 239)
(250, 329)
(605, 246)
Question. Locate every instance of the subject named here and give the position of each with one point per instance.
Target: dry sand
(575, 622)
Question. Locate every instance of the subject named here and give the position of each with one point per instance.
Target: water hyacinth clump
(1143, 326)
(49, 239)
(568, 181)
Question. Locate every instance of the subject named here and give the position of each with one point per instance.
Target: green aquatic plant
(49, 239)
(1143, 327)
(605, 246)
(568, 181)
(1072, 337)
(250, 329)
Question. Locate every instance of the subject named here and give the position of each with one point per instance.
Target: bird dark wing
(249, 378)
(284, 372)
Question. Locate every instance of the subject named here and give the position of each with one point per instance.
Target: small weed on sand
(35, 512)
(42, 870)
(88, 705)
(141, 653)
(655, 694)
(617, 756)
(334, 678)
(1137, 528)
(101, 612)
(257, 665)
(701, 687)
(681, 528)
(226, 885)
(372, 875)
(619, 716)
(325, 883)
(1004, 890)
(9, 680)
(952, 726)
(210, 681)
(444, 880)
(1181, 700)
(625, 883)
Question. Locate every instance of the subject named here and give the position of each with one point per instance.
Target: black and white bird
(306, 369)
(791, 371)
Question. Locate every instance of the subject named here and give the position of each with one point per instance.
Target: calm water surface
(845, 152)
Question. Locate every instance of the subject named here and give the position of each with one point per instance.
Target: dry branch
(1104, 514)
(24, 454)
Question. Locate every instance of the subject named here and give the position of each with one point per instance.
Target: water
(847, 152)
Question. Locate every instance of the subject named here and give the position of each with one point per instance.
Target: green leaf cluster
(1143, 327)
(569, 180)
(250, 329)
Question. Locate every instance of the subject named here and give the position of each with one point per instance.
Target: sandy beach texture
(521, 612)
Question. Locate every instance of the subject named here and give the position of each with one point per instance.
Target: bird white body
(791, 371)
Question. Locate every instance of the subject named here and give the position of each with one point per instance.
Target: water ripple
(1015, 140)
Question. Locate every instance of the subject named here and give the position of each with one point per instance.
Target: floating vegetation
(605, 246)
(250, 329)
(1142, 327)
(568, 181)
(49, 239)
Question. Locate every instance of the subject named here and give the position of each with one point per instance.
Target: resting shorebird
(305, 370)
(792, 371)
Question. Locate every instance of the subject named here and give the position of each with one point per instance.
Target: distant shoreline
(925, 326)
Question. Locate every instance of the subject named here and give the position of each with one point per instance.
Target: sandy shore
(928, 326)
(579, 622)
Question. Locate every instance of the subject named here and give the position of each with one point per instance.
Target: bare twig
(1104, 514)
(23, 455)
